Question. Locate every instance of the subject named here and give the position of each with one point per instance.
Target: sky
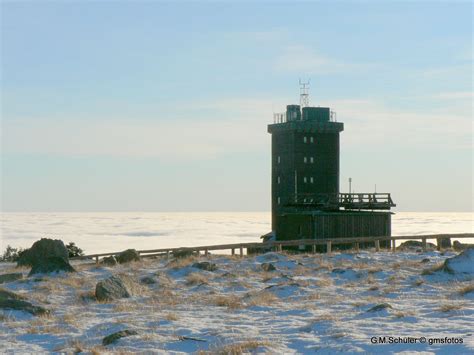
(164, 106)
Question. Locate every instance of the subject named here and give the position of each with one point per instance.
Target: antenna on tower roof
(304, 94)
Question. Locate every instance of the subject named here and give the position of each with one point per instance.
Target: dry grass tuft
(418, 283)
(263, 298)
(464, 290)
(238, 348)
(179, 263)
(229, 301)
(196, 278)
(449, 307)
(171, 317)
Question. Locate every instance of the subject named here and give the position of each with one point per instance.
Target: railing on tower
(348, 201)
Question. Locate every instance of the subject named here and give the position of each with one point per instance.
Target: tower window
(305, 180)
(305, 139)
(278, 159)
(278, 179)
(305, 160)
(312, 139)
(311, 159)
(278, 200)
(311, 179)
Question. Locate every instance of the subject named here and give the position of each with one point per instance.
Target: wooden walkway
(278, 245)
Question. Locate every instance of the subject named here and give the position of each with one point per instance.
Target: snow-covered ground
(310, 303)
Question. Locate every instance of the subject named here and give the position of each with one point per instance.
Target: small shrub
(73, 250)
(11, 254)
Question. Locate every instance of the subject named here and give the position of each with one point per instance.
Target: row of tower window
(305, 200)
(305, 180)
(308, 139)
(305, 159)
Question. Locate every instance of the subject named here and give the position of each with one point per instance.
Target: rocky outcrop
(205, 265)
(268, 267)
(109, 261)
(457, 245)
(127, 256)
(380, 307)
(415, 244)
(13, 301)
(45, 256)
(112, 338)
(10, 277)
(114, 287)
(462, 263)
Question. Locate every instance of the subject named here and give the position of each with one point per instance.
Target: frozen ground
(311, 303)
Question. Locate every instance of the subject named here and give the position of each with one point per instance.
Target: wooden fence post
(206, 252)
(423, 242)
(241, 252)
(97, 260)
(394, 245)
(438, 244)
(279, 248)
(233, 251)
(377, 245)
(328, 247)
(313, 248)
(357, 246)
(167, 254)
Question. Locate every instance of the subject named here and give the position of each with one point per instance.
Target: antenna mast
(304, 95)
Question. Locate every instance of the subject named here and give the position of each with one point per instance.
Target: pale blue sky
(163, 106)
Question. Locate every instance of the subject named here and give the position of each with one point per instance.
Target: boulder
(127, 256)
(114, 287)
(205, 266)
(415, 244)
(51, 264)
(109, 261)
(457, 245)
(268, 267)
(10, 277)
(462, 263)
(148, 280)
(112, 338)
(12, 301)
(445, 243)
(46, 255)
(183, 253)
(379, 307)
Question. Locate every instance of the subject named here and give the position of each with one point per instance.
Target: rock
(46, 255)
(10, 277)
(379, 307)
(127, 256)
(183, 253)
(462, 263)
(112, 338)
(109, 261)
(268, 267)
(445, 243)
(415, 244)
(13, 301)
(148, 280)
(205, 266)
(114, 287)
(461, 246)
(51, 264)
(425, 260)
